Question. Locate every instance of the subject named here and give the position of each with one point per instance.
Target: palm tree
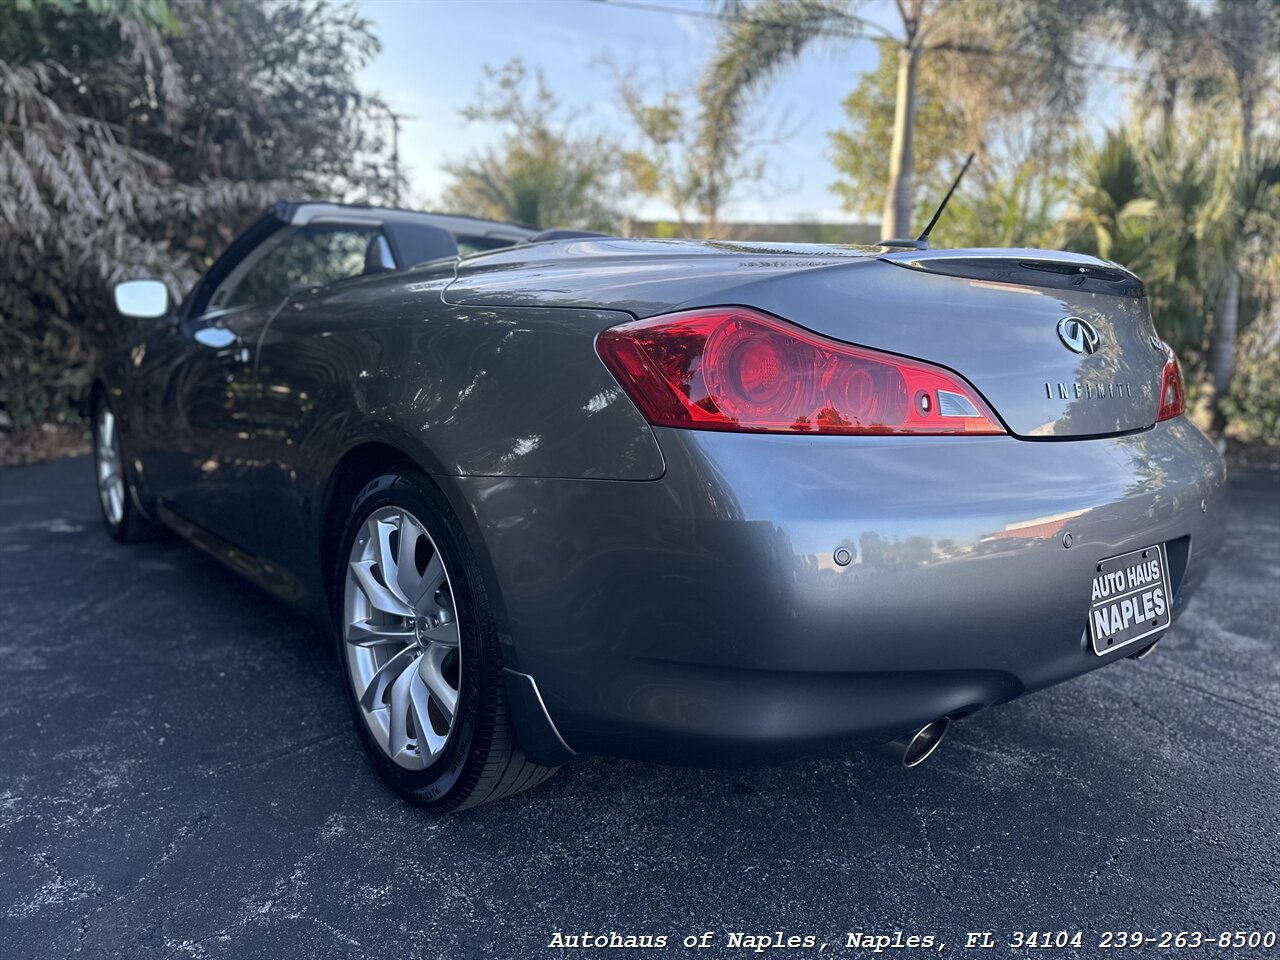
(1149, 209)
(1163, 37)
(1228, 51)
(987, 42)
(1244, 38)
(1242, 246)
(1191, 220)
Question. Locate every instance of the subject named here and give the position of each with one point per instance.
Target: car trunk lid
(1060, 345)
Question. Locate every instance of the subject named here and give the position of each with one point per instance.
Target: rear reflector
(1173, 395)
(732, 368)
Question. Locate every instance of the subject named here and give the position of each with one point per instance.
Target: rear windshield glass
(468, 246)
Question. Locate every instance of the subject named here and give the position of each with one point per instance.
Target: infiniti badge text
(1095, 391)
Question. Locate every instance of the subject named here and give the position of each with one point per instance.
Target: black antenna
(924, 237)
(922, 242)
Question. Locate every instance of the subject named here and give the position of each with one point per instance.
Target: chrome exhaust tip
(1144, 652)
(915, 748)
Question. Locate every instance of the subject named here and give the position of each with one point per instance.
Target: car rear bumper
(703, 617)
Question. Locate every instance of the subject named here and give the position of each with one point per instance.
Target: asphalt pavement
(179, 778)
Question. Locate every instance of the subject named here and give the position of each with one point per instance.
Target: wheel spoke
(408, 582)
(432, 578)
(429, 669)
(381, 598)
(428, 740)
(108, 430)
(381, 530)
(388, 673)
(398, 713)
(362, 633)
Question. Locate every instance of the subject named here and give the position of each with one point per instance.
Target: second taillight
(1173, 395)
(730, 368)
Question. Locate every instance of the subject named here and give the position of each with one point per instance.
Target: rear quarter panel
(465, 392)
(489, 391)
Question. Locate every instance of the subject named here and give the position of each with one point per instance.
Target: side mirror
(142, 299)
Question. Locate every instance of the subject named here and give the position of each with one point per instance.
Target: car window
(468, 245)
(310, 256)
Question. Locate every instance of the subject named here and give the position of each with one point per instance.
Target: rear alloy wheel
(119, 512)
(419, 649)
(402, 637)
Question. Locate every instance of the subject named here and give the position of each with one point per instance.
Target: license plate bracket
(1130, 599)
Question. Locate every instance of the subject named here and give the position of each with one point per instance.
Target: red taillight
(1173, 396)
(730, 368)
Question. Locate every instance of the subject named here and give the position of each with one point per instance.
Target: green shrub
(1254, 403)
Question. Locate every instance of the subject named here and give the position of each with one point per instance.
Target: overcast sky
(433, 52)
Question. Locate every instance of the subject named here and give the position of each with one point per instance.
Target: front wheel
(419, 650)
(121, 515)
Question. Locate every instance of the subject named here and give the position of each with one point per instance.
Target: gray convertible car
(698, 502)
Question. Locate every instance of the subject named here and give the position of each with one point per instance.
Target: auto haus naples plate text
(1129, 599)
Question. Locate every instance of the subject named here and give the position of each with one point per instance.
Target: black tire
(481, 760)
(127, 524)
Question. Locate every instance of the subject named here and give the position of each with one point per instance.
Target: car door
(193, 374)
(210, 462)
(219, 462)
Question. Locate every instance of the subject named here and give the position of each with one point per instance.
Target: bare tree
(543, 171)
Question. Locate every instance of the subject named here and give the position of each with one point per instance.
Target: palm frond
(750, 51)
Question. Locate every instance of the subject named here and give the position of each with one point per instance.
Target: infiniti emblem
(1078, 335)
